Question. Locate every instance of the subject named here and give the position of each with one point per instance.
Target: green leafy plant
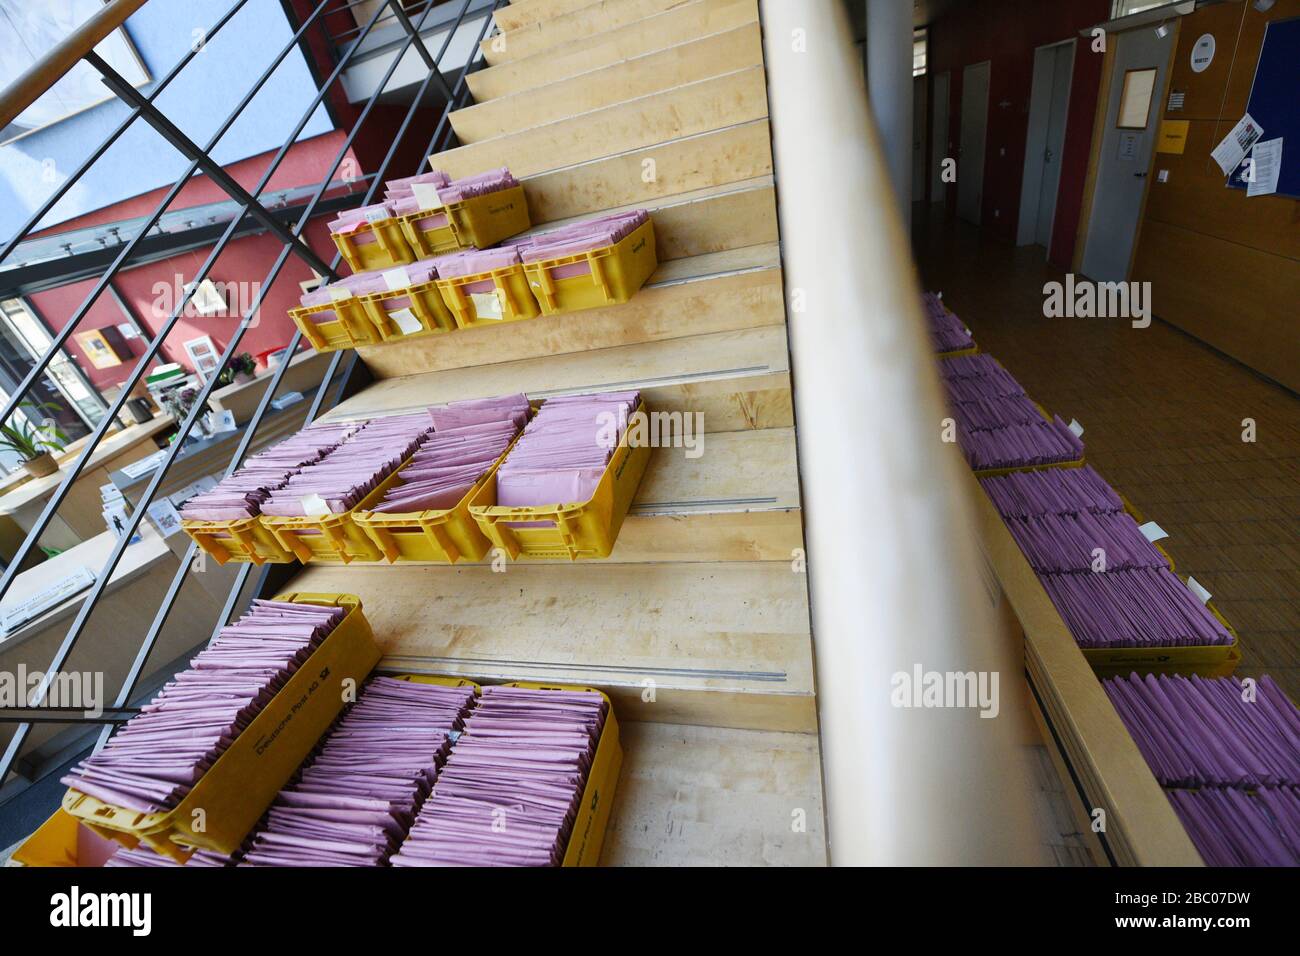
(30, 441)
(241, 364)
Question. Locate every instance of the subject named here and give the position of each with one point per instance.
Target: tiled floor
(1163, 416)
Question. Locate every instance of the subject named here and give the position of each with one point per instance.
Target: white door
(1049, 106)
(974, 133)
(939, 138)
(1132, 115)
(918, 139)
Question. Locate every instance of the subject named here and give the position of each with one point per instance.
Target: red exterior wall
(1006, 32)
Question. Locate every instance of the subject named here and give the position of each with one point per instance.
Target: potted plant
(239, 369)
(34, 444)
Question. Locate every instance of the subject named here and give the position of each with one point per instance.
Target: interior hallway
(1163, 417)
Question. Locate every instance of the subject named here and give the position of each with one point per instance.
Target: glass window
(1135, 101)
(918, 52)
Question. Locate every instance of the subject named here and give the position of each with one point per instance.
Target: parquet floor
(1163, 416)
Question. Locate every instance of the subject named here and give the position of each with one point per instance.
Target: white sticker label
(396, 279)
(405, 320)
(1152, 531)
(314, 505)
(1194, 586)
(1076, 428)
(487, 305)
(340, 292)
(426, 195)
(375, 215)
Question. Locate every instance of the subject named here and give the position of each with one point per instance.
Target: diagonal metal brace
(192, 151)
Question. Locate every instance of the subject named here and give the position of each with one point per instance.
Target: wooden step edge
(708, 796)
(542, 36)
(519, 14)
(593, 115)
(726, 51)
(688, 164)
(594, 52)
(711, 699)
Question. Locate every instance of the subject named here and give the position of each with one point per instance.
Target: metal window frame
(200, 156)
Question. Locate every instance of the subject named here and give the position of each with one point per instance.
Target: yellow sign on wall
(1172, 137)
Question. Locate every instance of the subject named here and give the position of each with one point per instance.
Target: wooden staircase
(698, 625)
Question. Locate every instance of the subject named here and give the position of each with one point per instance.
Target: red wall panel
(1006, 32)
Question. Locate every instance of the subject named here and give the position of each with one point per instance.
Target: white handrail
(894, 570)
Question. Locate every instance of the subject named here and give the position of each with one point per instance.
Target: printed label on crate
(376, 215)
(314, 505)
(405, 320)
(396, 279)
(340, 292)
(1076, 428)
(487, 305)
(426, 194)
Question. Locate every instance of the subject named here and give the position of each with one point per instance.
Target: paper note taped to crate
(426, 194)
(405, 320)
(396, 279)
(487, 305)
(1152, 531)
(375, 215)
(1196, 588)
(314, 505)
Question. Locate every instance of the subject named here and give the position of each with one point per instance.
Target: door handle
(1140, 175)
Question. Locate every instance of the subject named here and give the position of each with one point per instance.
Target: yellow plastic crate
(508, 300)
(616, 273)
(479, 222)
(1204, 660)
(588, 834)
(242, 540)
(576, 530)
(63, 841)
(331, 537)
(377, 244)
(426, 312)
(350, 325)
(240, 785)
(446, 536)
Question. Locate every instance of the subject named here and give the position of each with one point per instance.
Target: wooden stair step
(722, 291)
(725, 644)
(737, 380)
(689, 21)
(586, 21)
(712, 796)
(626, 80)
(735, 156)
(691, 108)
(523, 12)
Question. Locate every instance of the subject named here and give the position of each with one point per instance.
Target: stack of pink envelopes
(242, 494)
(563, 452)
(510, 790)
(143, 856)
(353, 470)
(469, 439)
(157, 757)
(405, 201)
(354, 799)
